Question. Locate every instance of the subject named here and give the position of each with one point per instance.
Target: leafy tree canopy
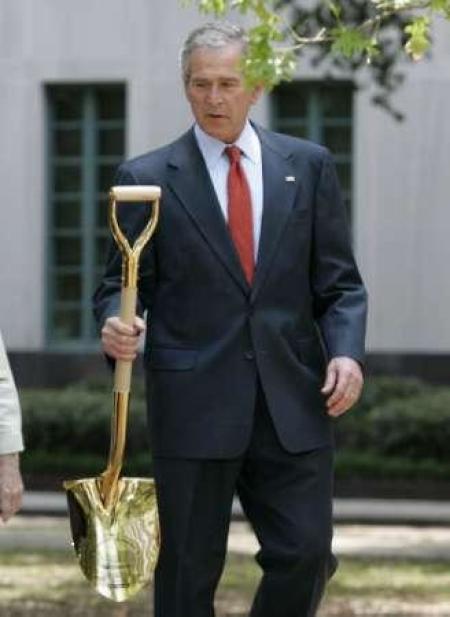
(350, 34)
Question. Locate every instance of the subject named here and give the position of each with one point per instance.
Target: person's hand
(121, 341)
(11, 486)
(343, 385)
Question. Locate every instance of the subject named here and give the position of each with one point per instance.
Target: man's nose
(214, 95)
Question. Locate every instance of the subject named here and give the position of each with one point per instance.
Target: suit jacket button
(249, 355)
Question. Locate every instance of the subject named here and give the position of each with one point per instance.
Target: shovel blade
(117, 547)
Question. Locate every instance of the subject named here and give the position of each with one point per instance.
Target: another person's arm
(11, 441)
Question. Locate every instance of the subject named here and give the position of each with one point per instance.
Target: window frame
(90, 161)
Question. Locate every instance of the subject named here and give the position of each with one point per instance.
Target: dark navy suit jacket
(210, 336)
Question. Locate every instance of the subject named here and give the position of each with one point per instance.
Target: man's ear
(256, 93)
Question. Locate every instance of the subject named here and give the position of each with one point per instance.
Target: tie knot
(233, 153)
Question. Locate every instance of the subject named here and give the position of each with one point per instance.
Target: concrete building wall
(402, 224)
(401, 179)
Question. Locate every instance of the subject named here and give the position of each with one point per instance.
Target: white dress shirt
(218, 165)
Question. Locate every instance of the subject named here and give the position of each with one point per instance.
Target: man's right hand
(120, 341)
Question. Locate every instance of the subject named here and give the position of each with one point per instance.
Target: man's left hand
(343, 385)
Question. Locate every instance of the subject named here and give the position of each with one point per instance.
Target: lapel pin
(290, 178)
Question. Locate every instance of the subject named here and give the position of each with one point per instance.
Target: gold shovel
(114, 520)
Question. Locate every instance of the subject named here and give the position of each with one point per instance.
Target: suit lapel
(189, 180)
(279, 188)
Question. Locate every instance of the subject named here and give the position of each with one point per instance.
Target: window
(320, 112)
(86, 142)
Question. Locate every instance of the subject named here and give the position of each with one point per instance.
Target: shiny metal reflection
(114, 520)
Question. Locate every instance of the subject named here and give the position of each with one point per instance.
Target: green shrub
(350, 463)
(76, 420)
(415, 428)
(354, 429)
(104, 385)
(86, 465)
(400, 428)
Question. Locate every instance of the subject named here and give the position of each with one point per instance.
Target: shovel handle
(131, 255)
(122, 373)
(136, 193)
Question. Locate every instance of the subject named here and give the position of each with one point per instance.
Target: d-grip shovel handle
(130, 263)
(122, 375)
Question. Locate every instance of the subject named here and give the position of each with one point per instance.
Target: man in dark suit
(255, 335)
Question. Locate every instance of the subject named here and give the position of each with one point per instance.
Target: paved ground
(380, 511)
(429, 543)
(390, 541)
(364, 528)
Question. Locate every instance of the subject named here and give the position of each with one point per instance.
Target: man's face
(216, 92)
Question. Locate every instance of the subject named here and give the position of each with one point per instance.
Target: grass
(50, 584)
(419, 581)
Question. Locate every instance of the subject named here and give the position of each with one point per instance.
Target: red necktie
(240, 212)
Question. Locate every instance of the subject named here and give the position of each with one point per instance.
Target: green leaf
(419, 37)
(268, 66)
(242, 5)
(351, 41)
(335, 10)
(218, 7)
(441, 6)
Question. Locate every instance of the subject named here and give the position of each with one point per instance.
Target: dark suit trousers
(287, 499)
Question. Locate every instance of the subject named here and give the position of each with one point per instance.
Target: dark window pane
(336, 101)
(68, 142)
(67, 103)
(291, 100)
(106, 175)
(67, 324)
(67, 251)
(101, 250)
(111, 103)
(111, 142)
(67, 214)
(102, 214)
(337, 139)
(68, 287)
(295, 131)
(345, 175)
(67, 179)
(93, 329)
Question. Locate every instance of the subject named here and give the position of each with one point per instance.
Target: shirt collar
(212, 148)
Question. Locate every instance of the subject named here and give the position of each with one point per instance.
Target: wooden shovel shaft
(122, 375)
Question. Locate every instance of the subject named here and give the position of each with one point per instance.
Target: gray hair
(213, 35)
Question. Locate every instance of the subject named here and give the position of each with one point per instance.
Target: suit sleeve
(340, 299)
(132, 218)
